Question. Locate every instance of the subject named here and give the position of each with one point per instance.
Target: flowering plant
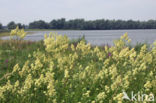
(65, 73)
(19, 33)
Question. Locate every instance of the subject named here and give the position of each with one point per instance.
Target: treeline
(101, 24)
(81, 24)
(12, 25)
(1, 26)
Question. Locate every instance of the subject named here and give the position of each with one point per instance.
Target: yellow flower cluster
(56, 43)
(67, 73)
(18, 33)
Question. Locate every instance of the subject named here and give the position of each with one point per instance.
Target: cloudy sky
(25, 11)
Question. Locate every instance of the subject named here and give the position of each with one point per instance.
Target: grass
(13, 52)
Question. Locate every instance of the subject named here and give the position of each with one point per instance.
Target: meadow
(58, 70)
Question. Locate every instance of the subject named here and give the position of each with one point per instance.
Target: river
(99, 37)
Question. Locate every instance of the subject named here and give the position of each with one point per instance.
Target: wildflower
(16, 68)
(148, 84)
(109, 54)
(129, 40)
(6, 61)
(87, 93)
(119, 98)
(16, 84)
(93, 102)
(66, 73)
(29, 55)
(72, 47)
(83, 73)
(101, 96)
(17, 32)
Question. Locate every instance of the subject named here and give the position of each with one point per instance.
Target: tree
(11, 25)
(39, 25)
(1, 26)
(151, 24)
(58, 24)
(19, 25)
(100, 24)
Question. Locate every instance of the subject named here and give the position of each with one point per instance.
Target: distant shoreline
(82, 24)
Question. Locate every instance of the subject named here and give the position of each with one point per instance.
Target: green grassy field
(13, 52)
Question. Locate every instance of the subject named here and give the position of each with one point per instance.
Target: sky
(26, 11)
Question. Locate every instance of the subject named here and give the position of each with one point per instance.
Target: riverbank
(29, 31)
(7, 33)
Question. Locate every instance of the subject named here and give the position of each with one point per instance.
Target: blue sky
(26, 11)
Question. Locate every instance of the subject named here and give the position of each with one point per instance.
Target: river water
(99, 37)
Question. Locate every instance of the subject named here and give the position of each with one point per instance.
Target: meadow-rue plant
(18, 33)
(67, 73)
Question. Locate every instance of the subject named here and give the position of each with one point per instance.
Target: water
(99, 37)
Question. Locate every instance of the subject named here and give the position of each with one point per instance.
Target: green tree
(58, 24)
(39, 25)
(20, 26)
(11, 25)
(100, 24)
(1, 26)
